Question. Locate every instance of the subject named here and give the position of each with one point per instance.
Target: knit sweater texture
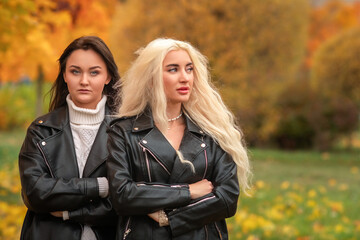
(85, 124)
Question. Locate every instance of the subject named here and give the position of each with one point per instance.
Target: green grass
(301, 195)
(307, 167)
(10, 144)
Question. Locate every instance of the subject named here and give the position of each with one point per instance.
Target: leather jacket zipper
(157, 160)
(206, 233)
(161, 185)
(45, 160)
(147, 164)
(206, 164)
(218, 230)
(127, 229)
(200, 201)
(195, 203)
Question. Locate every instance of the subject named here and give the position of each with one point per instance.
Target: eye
(94, 73)
(172, 69)
(189, 69)
(75, 71)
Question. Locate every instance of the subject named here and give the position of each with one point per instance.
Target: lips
(84, 90)
(183, 90)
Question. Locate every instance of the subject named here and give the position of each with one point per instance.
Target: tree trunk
(39, 92)
(350, 141)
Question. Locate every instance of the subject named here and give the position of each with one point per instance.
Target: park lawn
(10, 143)
(301, 195)
(12, 210)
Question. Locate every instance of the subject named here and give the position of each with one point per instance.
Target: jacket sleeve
(218, 205)
(98, 213)
(137, 198)
(44, 193)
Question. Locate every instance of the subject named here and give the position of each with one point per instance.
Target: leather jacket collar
(145, 121)
(59, 120)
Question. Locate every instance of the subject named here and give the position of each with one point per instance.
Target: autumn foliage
(35, 32)
(328, 21)
(269, 59)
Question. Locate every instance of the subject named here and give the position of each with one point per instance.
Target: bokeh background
(288, 69)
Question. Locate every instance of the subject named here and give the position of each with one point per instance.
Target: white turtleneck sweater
(85, 124)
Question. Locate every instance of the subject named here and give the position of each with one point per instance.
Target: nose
(185, 76)
(84, 79)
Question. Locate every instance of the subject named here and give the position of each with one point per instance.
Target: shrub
(309, 118)
(17, 105)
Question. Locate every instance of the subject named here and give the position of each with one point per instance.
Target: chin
(184, 100)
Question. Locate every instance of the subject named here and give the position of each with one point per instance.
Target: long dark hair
(59, 90)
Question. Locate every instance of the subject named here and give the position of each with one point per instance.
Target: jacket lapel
(58, 148)
(155, 141)
(159, 146)
(191, 146)
(98, 152)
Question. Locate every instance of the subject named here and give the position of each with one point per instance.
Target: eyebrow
(74, 66)
(177, 65)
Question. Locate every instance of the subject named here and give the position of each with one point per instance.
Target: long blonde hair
(143, 86)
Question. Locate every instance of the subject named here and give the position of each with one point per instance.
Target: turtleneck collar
(81, 116)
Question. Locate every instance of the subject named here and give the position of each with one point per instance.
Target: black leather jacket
(50, 182)
(146, 175)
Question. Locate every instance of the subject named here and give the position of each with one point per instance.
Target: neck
(173, 111)
(86, 116)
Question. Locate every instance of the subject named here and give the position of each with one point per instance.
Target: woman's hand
(160, 217)
(57, 214)
(154, 216)
(200, 188)
(197, 190)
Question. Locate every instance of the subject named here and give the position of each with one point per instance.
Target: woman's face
(178, 76)
(86, 75)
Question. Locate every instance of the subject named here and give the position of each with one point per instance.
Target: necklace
(175, 118)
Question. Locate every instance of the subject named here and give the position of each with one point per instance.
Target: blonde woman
(176, 162)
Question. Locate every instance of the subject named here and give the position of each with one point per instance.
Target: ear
(64, 77)
(107, 80)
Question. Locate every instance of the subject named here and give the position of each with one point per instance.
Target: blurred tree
(27, 52)
(24, 44)
(253, 47)
(336, 70)
(328, 20)
(294, 105)
(335, 76)
(34, 33)
(332, 118)
(311, 119)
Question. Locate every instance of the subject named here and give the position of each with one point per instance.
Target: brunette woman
(62, 160)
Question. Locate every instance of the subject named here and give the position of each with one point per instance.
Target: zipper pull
(126, 233)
